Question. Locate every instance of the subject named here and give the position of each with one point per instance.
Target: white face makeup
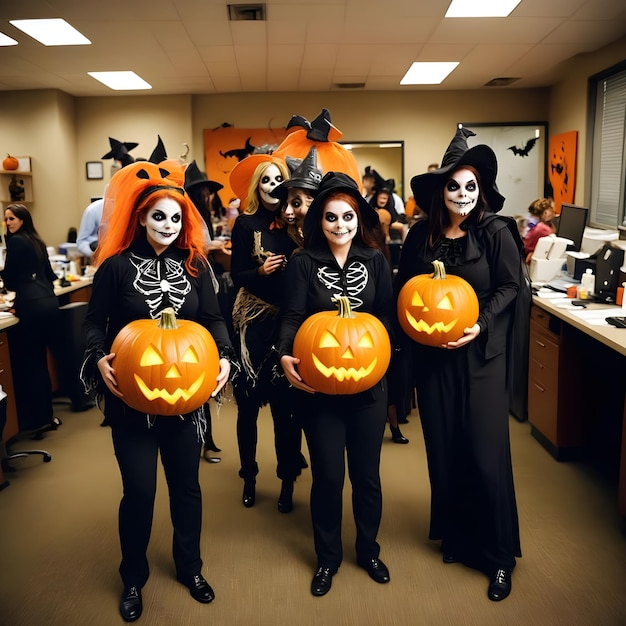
(460, 194)
(163, 223)
(270, 180)
(298, 202)
(339, 222)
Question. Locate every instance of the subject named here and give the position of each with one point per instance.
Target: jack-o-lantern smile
(349, 371)
(434, 309)
(152, 357)
(166, 366)
(342, 353)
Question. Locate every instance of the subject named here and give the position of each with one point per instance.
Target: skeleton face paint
(163, 223)
(298, 201)
(460, 194)
(270, 180)
(339, 222)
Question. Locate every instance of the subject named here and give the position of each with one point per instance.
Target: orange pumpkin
(342, 353)
(165, 366)
(331, 155)
(434, 309)
(10, 163)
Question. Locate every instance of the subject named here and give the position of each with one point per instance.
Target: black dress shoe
(285, 499)
(448, 557)
(500, 585)
(199, 589)
(131, 605)
(397, 436)
(249, 493)
(322, 581)
(377, 570)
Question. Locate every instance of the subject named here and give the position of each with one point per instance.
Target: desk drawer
(542, 409)
(545, 323)
(4, 351)
(545, 375)
(543, 349)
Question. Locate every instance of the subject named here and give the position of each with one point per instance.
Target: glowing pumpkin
(165, 366)
(342, 353)
(435, 308)
(10, 163)
(331, 155)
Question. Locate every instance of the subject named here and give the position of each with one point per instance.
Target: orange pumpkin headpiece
(332, 156)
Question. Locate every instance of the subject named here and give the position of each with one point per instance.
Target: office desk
(577, 387)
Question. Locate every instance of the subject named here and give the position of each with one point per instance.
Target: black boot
(396, 435)
(249, 493)
(285, 500)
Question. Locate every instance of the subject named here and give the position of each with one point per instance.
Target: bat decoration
(240, 153)
(523, 152)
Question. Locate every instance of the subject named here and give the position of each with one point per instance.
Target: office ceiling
(191, 47)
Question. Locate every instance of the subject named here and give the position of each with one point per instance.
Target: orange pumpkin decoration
(10, 163)
(342, 353)
(434, 309)
(331, 155)
(165, 366)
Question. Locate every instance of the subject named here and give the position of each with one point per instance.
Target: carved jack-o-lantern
(342, 353)
(434, 309)
(166, 366)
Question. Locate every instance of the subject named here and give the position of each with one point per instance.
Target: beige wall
(62, 133)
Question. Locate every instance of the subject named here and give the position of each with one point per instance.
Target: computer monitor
(572, 222)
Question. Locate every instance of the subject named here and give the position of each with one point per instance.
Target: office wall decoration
(94, 170)
(521, 150)
(562, 168)
(225, 146)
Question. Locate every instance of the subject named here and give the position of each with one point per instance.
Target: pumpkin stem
(343, 302)
(440, 271)
(168, 319)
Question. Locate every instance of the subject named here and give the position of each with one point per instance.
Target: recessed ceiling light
(121, 81)
(54, 32)
(428, 73)
(5, 40)
(481, 8)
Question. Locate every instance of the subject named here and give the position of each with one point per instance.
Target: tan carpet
(59, 546)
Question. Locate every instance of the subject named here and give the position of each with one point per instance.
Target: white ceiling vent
(246, 12)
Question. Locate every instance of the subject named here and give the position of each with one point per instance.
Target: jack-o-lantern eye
(190, 356)
(366, 341)
(446, 303)
(151, 356)
(416, 300)
(329, 340)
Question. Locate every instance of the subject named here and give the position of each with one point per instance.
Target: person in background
(201, 192)
(539, 224)
(27, 272)
(87, 238)
(341, 257)
(462, 391)
(261, 248)
(152, 256)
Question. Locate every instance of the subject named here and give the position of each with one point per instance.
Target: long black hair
(27, 229)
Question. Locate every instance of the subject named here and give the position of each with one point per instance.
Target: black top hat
(482, 158)
(195, 177)
(120, 151)
(333, 182)
(304, 174)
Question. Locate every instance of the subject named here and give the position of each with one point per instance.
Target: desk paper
(597, 317)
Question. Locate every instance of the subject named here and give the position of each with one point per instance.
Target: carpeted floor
(59, 546)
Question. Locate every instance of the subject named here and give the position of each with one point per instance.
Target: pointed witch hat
(481, 157)
(120, 151)
(304, 174)
(195, 177)
(158, 154)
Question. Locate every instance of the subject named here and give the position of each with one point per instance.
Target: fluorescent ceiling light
(54, 32)
(121, 81)
(481, 8)
(428, 73)
(6, 40)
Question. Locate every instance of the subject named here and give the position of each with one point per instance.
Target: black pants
(287, 431)
(334, 426)
(137, 448)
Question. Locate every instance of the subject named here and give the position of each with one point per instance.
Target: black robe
(463, 398)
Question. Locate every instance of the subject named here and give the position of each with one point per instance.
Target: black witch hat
(194, 177)
(304, 174)
(158, 154)
(120, 151)
(482, 158)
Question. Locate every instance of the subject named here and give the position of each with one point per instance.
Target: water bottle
(587, 284)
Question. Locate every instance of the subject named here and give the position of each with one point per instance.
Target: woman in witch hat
(462, 385)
